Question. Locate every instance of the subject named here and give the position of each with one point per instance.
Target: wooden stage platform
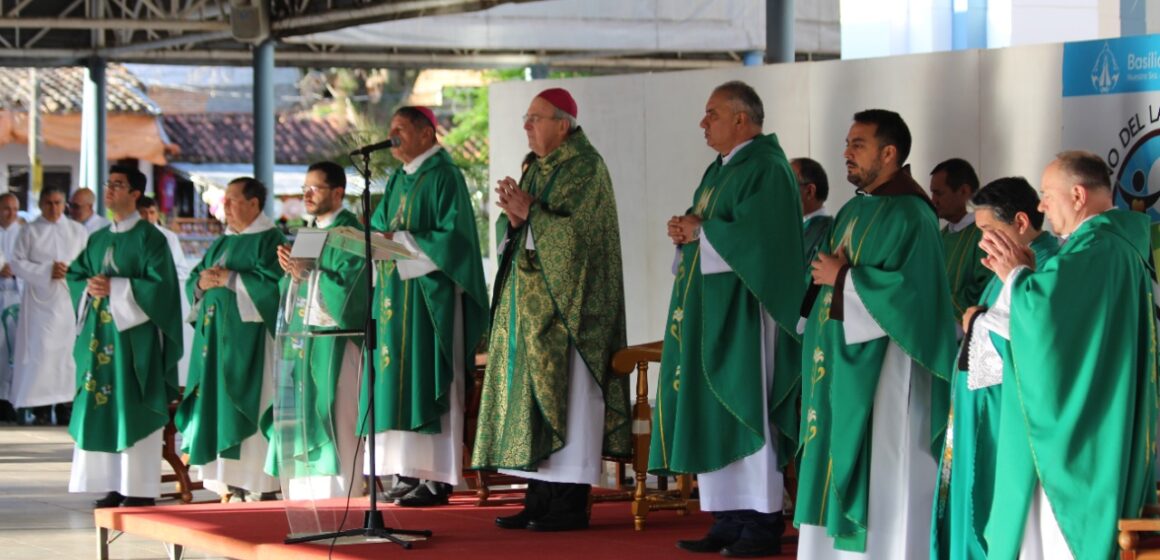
(461, 530)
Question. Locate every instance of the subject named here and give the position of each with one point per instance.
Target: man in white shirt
(81, 210)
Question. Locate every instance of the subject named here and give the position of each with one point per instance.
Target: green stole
(896, 261)
(342, 289)
(965, 269)
(967, 463)
(222, 402)
(416, 317)
(711, 367)
(126, 379)
(1082, 394)
(568, 292)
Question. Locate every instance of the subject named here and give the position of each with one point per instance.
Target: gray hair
(745, 98)
(572, 124)
(1086, 169)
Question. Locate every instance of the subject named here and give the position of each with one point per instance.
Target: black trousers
(557, 498)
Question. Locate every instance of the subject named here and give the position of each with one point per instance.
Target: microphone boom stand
(373, 525)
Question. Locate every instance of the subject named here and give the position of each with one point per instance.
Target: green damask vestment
(416, 317)
(967, 464)
(709, 398)
(965, 271)
(566, 293)
(896, 262)
(222, 402)
(1081, 399)
(126, 379)
(341, 293)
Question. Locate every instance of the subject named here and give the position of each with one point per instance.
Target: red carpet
(461, 531)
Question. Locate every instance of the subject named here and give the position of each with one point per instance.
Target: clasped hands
(826, 266)
(213, 277)
(684, 229)
(291, 266)
(513, 201)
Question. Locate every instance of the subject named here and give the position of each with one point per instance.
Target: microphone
(392, 142)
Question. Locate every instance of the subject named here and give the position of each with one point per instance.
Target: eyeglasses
(116, 185)
(311, 189)
(537, 118)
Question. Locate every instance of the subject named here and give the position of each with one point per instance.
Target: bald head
(81, 204)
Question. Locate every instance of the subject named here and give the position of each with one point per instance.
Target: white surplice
(44, 371)
(902, 469)
(248, 470)
(10, 290)
(437, 457)
(94, 223)
(578, 462)
(136, 470)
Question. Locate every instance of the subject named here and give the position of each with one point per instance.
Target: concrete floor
(39, 519)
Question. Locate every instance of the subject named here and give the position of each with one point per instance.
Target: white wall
(999, 109)
(17, 154)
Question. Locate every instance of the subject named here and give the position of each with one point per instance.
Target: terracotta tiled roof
(228, 138)
(62, 90)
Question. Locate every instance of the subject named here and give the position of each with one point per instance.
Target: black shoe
(112, 499)
(63, 413)
(560, 522)
(749, 548)
(131, 501)
(707, 544)
(517, 521)
(424, 496)
(403, 485)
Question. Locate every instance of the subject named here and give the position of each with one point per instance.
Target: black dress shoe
(560, 522)
(707, 544)
(424, 496)
(112, 499)
(403, 485)
(517, 521)
(131, 501)
(750, 548)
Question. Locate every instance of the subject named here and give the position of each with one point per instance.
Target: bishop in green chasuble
(430, 312)
(124, 286)
(1082, 393)
(234, 290)
(878, 350)
(967, 466)
(565, 294)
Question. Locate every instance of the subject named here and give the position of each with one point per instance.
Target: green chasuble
(967, 464)
(965, 269)
(222, 402)
(709, 397)
(1081, 399)
(342, 288)
(815, 231)
(416, 317)
(566, 293)
(125, 379)
(896, 262)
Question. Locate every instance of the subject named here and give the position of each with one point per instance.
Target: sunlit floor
(39, 519)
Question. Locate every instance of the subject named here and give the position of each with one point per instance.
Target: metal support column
(779, 46)
(93, 130)
(264, 119)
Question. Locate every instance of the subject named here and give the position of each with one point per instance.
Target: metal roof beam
(116, 24)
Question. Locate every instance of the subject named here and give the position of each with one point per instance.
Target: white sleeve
(676, 259)
(179, 261)
(530, 243)
(711, 261)
(997, 319)
(126, 313)
(24, 269)
(857, 323)
(421, 265)
(246, 308)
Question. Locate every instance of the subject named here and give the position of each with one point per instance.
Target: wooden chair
(184, 487)
(625, 362)
(1132, 546)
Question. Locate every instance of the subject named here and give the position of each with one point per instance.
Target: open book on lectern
(310, 242)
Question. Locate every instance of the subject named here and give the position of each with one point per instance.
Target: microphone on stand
(370, 148)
